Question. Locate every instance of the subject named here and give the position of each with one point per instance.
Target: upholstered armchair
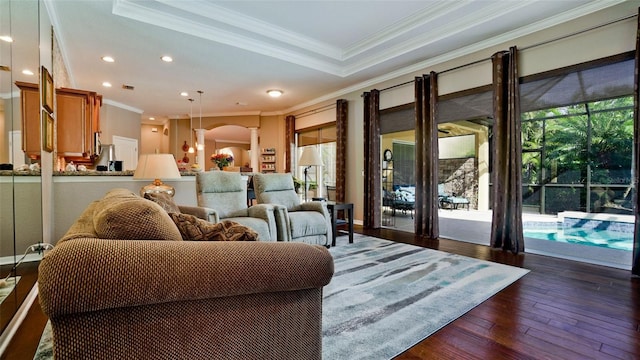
(226, 194)
(307, 222)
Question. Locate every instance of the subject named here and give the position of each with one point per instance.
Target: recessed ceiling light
(166, 58)
(184, 93)
(106, 84)
(6, 38)
(151, 118)
(275, 93)
(108, 59)
(27, 72)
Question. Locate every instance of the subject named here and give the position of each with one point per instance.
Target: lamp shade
(155, 167)
(310, 157)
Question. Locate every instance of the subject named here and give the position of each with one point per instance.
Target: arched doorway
(229, 139)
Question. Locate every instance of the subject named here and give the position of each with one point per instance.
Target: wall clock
(388, 155)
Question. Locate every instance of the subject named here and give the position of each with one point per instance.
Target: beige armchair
(226, 194)
(307, 222)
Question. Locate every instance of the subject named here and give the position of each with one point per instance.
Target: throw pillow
(130, 217)
(193, 228)
(164, 200)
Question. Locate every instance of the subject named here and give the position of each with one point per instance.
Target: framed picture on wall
(47, 131)
(47, 90)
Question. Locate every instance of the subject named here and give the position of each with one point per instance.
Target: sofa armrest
(201, 212)
(319, 206)
(88, 274)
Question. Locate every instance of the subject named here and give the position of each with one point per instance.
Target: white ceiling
(235, 51)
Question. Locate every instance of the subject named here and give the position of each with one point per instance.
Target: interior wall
(152, 140)
(595, 44)
(323, 116)
(271, 135)
(120, 122)
(606, 41)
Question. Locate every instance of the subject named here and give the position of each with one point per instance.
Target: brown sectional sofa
(116, 298)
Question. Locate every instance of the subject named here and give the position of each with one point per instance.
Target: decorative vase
(185, 146)
(185, 159)
(220, 167)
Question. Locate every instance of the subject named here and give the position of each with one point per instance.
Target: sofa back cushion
(121, 214)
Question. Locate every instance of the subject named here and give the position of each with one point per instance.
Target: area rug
(386, 297)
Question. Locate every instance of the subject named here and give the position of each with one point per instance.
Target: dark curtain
(341, 149)
(372, 176)
(290, 140)
(506, 227)
(635, 267)
(426, 205)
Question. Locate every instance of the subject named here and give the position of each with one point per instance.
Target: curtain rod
(525, 48)
(314, 111)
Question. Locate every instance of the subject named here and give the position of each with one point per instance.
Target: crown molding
(329, 59)
(416, 20)
(135, 11)
(464, 51)
(256, 26)
(122, 106)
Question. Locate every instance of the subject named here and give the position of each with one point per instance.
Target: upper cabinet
(30, 110)
(78, 118)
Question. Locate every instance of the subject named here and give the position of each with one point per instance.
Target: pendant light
(200, 146)
(191, 151)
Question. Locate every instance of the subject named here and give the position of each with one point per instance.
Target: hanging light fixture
(200, 146)
(191, 151)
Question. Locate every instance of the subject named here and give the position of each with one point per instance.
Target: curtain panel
(426, 203)
(506, 225)
(372, 177)
(341, 148)
(290, 140)
(635, 266)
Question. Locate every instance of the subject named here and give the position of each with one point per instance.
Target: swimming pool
(601, 238)
(602, 230)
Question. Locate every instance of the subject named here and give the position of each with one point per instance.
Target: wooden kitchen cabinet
(78, 118)
(30, 119)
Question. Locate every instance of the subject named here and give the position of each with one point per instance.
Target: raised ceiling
(235, 51)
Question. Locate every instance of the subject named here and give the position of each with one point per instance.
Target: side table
(333, 208)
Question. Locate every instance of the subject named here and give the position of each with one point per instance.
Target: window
(579, 157)
(577, 136)
(324, 139)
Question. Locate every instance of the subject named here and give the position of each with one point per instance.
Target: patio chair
(450, 201)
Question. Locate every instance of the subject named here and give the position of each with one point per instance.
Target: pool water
(591, 237)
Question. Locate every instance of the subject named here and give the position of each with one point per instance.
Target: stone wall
(460, 178)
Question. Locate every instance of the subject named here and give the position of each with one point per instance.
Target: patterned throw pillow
(164, 200)
(193, 228)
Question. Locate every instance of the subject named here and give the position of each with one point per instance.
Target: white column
(255, 149)
(200, 158)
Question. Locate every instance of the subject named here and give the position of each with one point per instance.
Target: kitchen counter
(87, 173)
(108, 173)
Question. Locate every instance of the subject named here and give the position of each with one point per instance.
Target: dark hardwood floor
(560, 310)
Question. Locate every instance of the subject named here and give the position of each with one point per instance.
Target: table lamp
(155, 167)
(309, 158)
